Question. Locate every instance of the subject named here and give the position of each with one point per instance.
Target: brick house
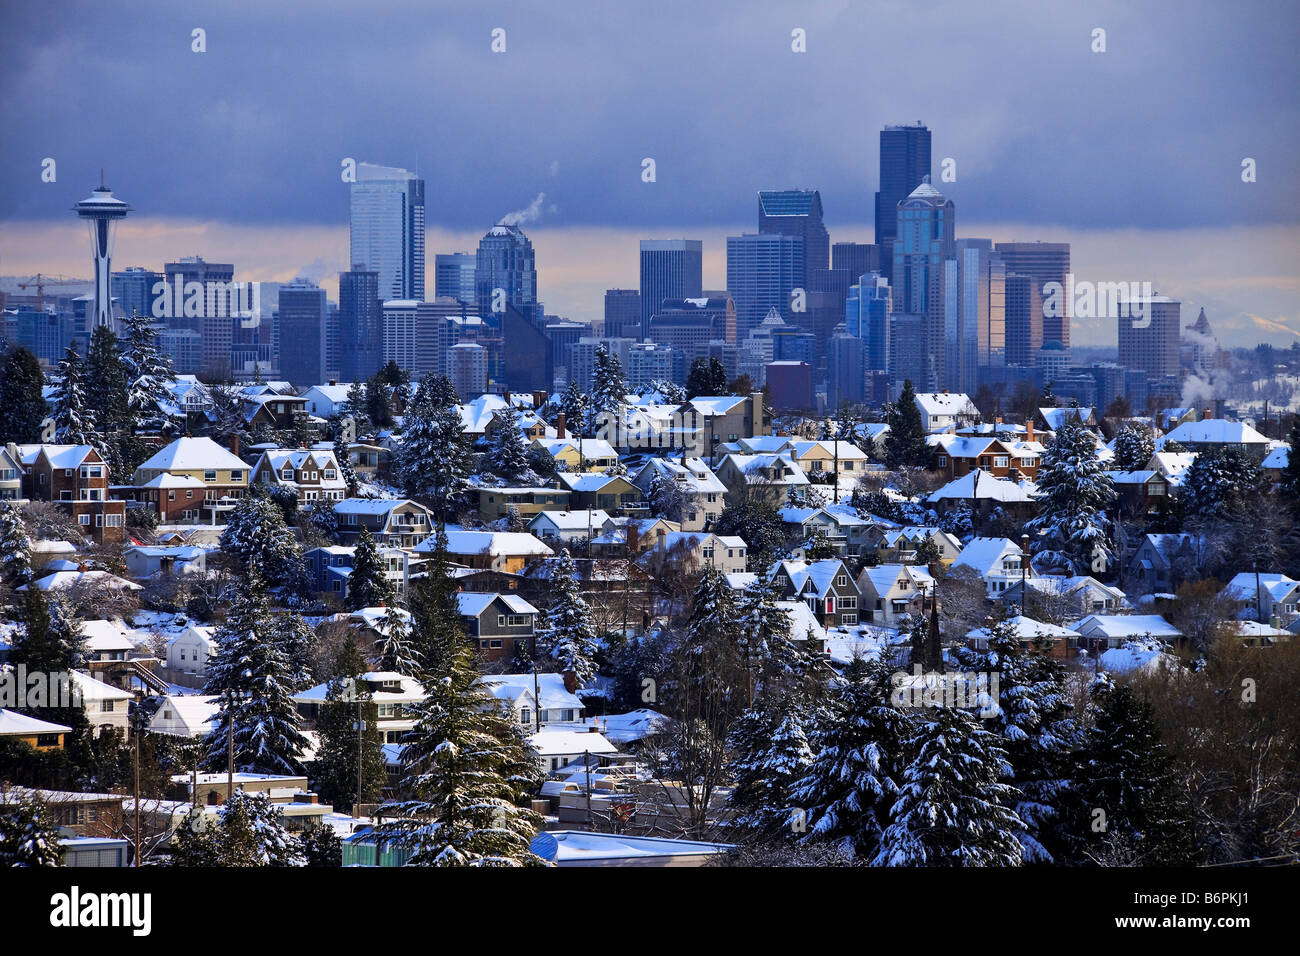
(75, 477)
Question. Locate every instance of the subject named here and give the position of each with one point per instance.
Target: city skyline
(1123, 161)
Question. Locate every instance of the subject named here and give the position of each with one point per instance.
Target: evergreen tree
(1034, 717)
(74, 421)
(149, 370)
(665, 496)
(770, 756)
(29, 836)
(1220, 482)
(1127, 775)
(50, 641)
(574, 406)
(106, 381)
(334, 769)
(905, 443)
(294, 636)
(354, 408)
(706, 377)
(853, 780)
(321, 847)
(1074, 493)
(1134, 447)
(344, 459)
(396, 649)
(251, 832)
(458, 801)
(769, 652)
(436, 628)
(15, 547)
(568, 636)
(1290, 484)
(507, 456)
(754, 518)
(22, 397)
(256, 535)
(368, 584)
(434, 458)
(379, 407)
(951, 808)
(608, 386)
(252, 680)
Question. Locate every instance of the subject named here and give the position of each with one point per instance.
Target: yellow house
(495, 503)
(38, 734)
(574, 454)
(224, 476)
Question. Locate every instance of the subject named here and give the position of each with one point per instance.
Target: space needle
(101, 211)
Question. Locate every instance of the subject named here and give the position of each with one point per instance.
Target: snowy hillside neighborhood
(397, 626)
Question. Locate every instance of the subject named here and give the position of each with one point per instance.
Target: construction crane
(41, 281)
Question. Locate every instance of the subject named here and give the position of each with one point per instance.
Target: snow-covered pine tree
(256, 534)
(852, 781)
(1034, 718)
(767, 646)
(106, 389)
(368, 584)
(1219, 482)
(148, 368)
(252, 680)
(354, 408)
(396, 650)
(252, 833)
(50, 640)
(21, 396)
(294, 636)
(74, 421)
(1134, 447)
(665, 496)
(1074, 493)
(507, 456)
(322, 848)
(1127, 775)
(344, 459)
(951, 808)
(905, 444)
(333, 770)
(770, 755)
(29, 836)
(15, 547)
(608, 386)
(567, 637)
(434, 457)
(457, 805)
(573, 403)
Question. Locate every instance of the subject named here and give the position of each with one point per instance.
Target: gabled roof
(945, 403)
(571, 520)
(1026, 629)
(981, 486)
(716, 404)
(984, 555)
(193, 454)
(371, 506)
(1125, 625)
(883, 577)
(474, 603)
(495, 543)
(1216, 431)
(66, 456)
(1277, 586)
(514, 686)
(13, 723)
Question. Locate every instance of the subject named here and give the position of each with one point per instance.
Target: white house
(1272, 595)
(558, 746)
(559, 528)
(999, 561)
(943, 410)
(1102, 631)
(558, 705)
(190, 650)
(324, 401)
(394, 694)
(184, 715)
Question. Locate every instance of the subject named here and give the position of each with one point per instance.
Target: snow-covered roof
(571, 520)
(168, 480)
(716, 404)
(494, 543)
(191, 454)
(981, 486)
(67, 456)
(846, 449)
(474, 603)
(1136, 656)
(1242, 586)
(90, 689)
(106, 636)
(411, 689)
(555, 742)
(13, 723)
(63, 579)
(1125, 625)
(1027, 629)
(514, 686)
(883, 577)
(933, 404)
(369, 506)
(1278, 457)
(590, 481)
(1216, 431)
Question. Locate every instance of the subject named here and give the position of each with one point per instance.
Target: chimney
(1205, 413)
(570, 681)
(234, 444)
(507, 397)
(333, 381)
(539, 399)
(559, 425)
(1029, 429)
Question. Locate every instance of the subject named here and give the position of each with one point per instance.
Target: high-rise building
(1150, 341)
(866, 316)
(857, 258)
(1024, 318)
(844, 370)
(670, 269)
(453, 276)
(505, 274)
(623, 313)
(1046, 262)
(762, 272)
(361, 330)
(907, 360)
(925, 239)
(797, 212)
(467, 369)
(303, 333)
(101, 211)
(975, 313)
(648, 363)
(904, 164)
(387, 229)
(689, 325)
(214, 323)
(133, 290)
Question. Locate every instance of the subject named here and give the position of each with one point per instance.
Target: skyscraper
(133, 290)
(361, 335)
(1046, 262)
(303, 332)
(506, 262)
(858, 258)
(1024, 318)
(670, 269)
(1150, 341)
(623, 313)
(904, 163)
(387, 229)
(866, 316)
(797, 212)
(453, 276)
(762, 271)
(214, 322)
(976, 313)
(924, 240)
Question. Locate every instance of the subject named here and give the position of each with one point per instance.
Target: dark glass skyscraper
(303, 333)
(505, 261)
(904, 163)
(797, 212)
(1046, 262)
(670, 269)
(453, 276)
(762, 271)
(924, 242)
(387, 229)
(361, 336)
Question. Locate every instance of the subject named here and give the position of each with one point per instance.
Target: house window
(236, 476)
(106, 706)
(848, 619)
(210, 474)
(112, 521)
(849, 603)
(841, 580)
(83, 519)
(1001, 461)
(287, 474)
(171, 496)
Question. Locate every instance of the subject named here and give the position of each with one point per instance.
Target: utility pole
(537, 687)
(230, 744)
(361, 726)
(135, 728)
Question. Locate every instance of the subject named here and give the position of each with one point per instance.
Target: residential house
(325, 401)
(703, 494)
(1139, 492)
(37, 734)
(1061, 597)
(311, 474)
(1002, 458)
(999, 561)
(982, 493)
(148, 561)
(707, 421)
(899, 546)
(1051, 639)
(564, 528)
(526, 501)
(826, 586)
(941, 411)
(497, 622)
(398, 522)
(518, 692)
(275, 411)
(844, 529)
(891, 591)
(11, 475)
(219, 479)
(612, 493)
(819, 458)
(489, 550)
(75, 478)
(1266, 596)
(331, 567)
(1214, 433)
(1163, 561)
(1051, 419)
(769, 477)
(577, 454)
(394, 694)
(691, 551)
(185, 715)
(189, 651)
(1102, 632)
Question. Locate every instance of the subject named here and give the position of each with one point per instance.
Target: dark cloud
(1150, 134)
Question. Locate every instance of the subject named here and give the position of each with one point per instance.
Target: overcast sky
(1134, 155)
